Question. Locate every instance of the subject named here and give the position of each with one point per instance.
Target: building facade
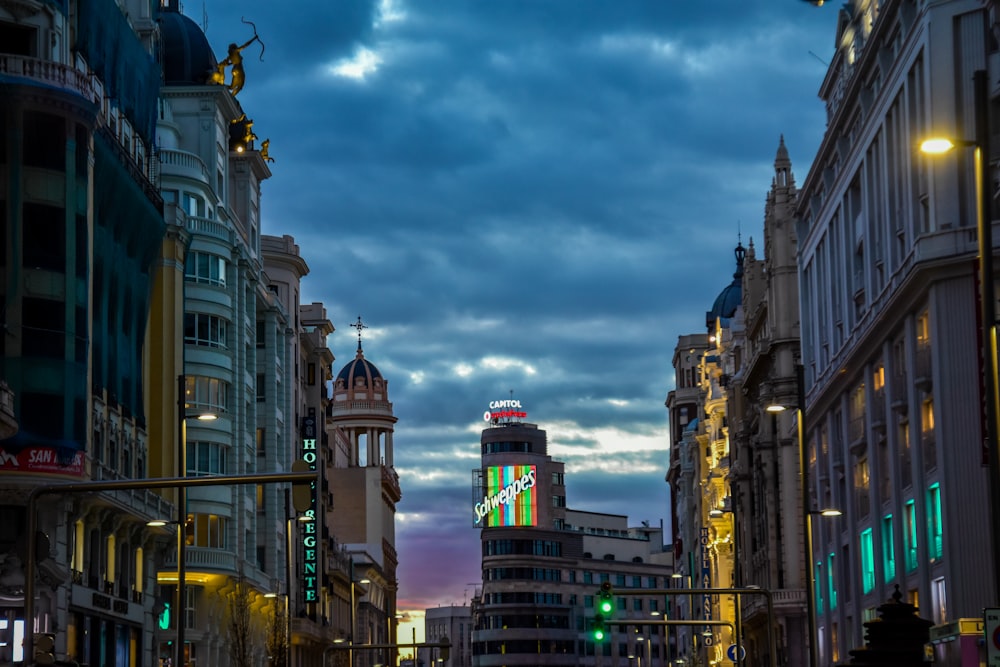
(890, 332)
(82, 226)
(764, 476)
(140, 291)
(453, 622)
(543, 563)
(363, 493)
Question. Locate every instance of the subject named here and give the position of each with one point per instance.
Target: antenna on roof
(359, 325)
(204, 18)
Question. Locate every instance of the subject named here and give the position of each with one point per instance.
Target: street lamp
(182, 513)
(810, 585)
(987, 299)
(354, 620)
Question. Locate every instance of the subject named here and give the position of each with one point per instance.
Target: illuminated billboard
(509, 499)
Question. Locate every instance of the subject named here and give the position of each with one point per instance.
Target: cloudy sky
(527, 196)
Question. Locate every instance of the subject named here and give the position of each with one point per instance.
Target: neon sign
(506, 409)
(510, 498)
(310, 549)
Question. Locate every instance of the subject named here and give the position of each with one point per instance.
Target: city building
(684, 476)
(82, 227)
(544, 563)
(454, 623)
(701, 475)
(891, 330)
(139, 292)
(764, 475)
(362, 495)
(238, 356)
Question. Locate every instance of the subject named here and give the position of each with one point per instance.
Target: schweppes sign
(511, 498)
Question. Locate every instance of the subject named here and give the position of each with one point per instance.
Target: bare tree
(277, 635)
(242, 638)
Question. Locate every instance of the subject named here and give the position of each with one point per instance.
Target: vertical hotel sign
(310, 548)
(510, 497)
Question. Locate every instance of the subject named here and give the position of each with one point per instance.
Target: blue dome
(187, 57)
(731, 297)
(359, 367)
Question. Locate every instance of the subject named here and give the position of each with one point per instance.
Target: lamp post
(806, 507)
(800, 417)
(987, 301)
(182, 513)
(181, 518)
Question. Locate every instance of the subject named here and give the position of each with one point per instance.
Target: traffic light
(45, 648)
(603, 609)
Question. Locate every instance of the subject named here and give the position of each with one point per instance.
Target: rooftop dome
(187, 57)
(731, 297)
(359, 367)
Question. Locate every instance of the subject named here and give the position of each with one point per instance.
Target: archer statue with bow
(234, 59)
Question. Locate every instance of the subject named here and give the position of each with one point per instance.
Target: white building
(890, 331)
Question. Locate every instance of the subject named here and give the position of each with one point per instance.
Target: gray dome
(731, 297)
(187, 57)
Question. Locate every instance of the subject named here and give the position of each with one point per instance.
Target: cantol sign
(510, 498)
(507, 409)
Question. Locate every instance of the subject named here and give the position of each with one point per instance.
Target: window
(203, 267)
(888, 550)
(862, 480)
(206, 395)
(939, 601)
(204, 330)
(831, 574)
(194, 204)
(588, 577)
(207, 458)
(818, 586)
(934, 528)
(867, 561)
(206, 530)
(910, 535)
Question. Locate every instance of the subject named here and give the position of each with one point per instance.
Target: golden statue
(264, 148)
(234, 60)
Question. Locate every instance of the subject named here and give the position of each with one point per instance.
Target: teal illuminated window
(934, 525)
(888, 549)
(818, 585)
(910, 535)
(867, 561)
(832, 580)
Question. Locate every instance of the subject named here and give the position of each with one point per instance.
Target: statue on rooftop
(234, 60)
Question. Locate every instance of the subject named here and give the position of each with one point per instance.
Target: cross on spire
(359, 325)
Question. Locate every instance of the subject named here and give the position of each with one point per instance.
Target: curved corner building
(543, 563)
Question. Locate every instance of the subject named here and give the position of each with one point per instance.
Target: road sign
(991, 629)
(731, 653)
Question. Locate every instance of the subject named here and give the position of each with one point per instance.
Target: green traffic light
(605, 606)
(599, 634)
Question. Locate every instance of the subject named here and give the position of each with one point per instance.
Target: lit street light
(807, 511)
(987, 299)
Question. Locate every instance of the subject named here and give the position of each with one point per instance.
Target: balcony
(51, 74)
(184, 164)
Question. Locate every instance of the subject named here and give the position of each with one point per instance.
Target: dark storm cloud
(536, 196)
